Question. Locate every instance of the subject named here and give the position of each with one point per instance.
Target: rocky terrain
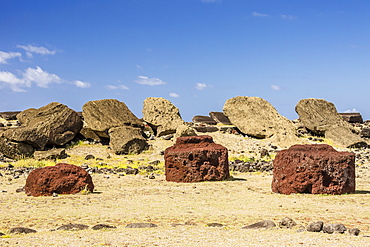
(132, 203)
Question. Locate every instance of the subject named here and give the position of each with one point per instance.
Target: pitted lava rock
(196, 159)
(60, 179)
(315, 169)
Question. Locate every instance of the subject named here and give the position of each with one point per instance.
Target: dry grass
(119, 200)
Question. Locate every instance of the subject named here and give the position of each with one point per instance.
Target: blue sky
(195, 53)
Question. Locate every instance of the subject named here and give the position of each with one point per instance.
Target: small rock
(354, 231)
(315, 226)
(331, 228)
(102, 226)
(151, 176)
(2, 234)
(287, 223)
(215, 225)
(72, 227)
(89, 157)
(18, 230)
(267, 224)
(55, 194)
(141, 225)
(19, 190)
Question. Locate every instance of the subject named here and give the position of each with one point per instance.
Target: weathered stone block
(61, 179)
(196, 159)
(316, 169)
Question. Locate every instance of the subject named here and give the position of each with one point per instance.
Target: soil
(182, 211)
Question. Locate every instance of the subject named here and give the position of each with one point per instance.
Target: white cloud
(201, 86)
(275, 87)
(13, 81)
(143, 80)
(8, 55)
(122, 87)
(138, 66)
(256, 14)
(174, 95)
(31, 76)
(352, 111)
(288, 17)
(40, 77)
(81, 84)
(30, 49)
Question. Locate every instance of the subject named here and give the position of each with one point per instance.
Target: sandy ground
(182, 212)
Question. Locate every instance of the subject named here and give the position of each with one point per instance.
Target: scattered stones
(287, 223)
(354, 231)
(102, 226)
(196, 159)
(315, 226)
(89, 157)
(20, 230)
(131, 171)
(334, 228)
(141, 225)
(72, 227)
(52, 154)
(265, 224)
(161, 115)
(62, 179)
(215, 225)
(315, 169)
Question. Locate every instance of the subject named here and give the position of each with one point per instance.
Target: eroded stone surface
(60, 179)
(196, 159)
(316, 169)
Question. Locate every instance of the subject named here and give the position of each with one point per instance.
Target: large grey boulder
(161, 115)
(102, 115)
(256, 117)
(53, 124)
(127, 140)
(322, 118)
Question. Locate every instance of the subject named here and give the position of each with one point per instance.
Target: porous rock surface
(53, 124)
(127, 140)
(316, 169)
(60, 179)
(161, 115)
(322, 118)
(256, 117)
(196, 159)
(102, 115)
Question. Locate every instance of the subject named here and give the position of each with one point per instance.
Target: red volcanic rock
(316, 169)
(196, 159)
(61, 179)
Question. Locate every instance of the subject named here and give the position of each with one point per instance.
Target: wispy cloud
(288, 17)
(37, 77)
(138, 66)
(118, 87)
(201, 86)
(81, 84)
(354, 110)
(143, 80)
(30, 50)
(4, 56)
(275, 87)
(40, 78)
(174, 95)
(257, 14)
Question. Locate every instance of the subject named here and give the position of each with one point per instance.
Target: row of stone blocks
(316, 169)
